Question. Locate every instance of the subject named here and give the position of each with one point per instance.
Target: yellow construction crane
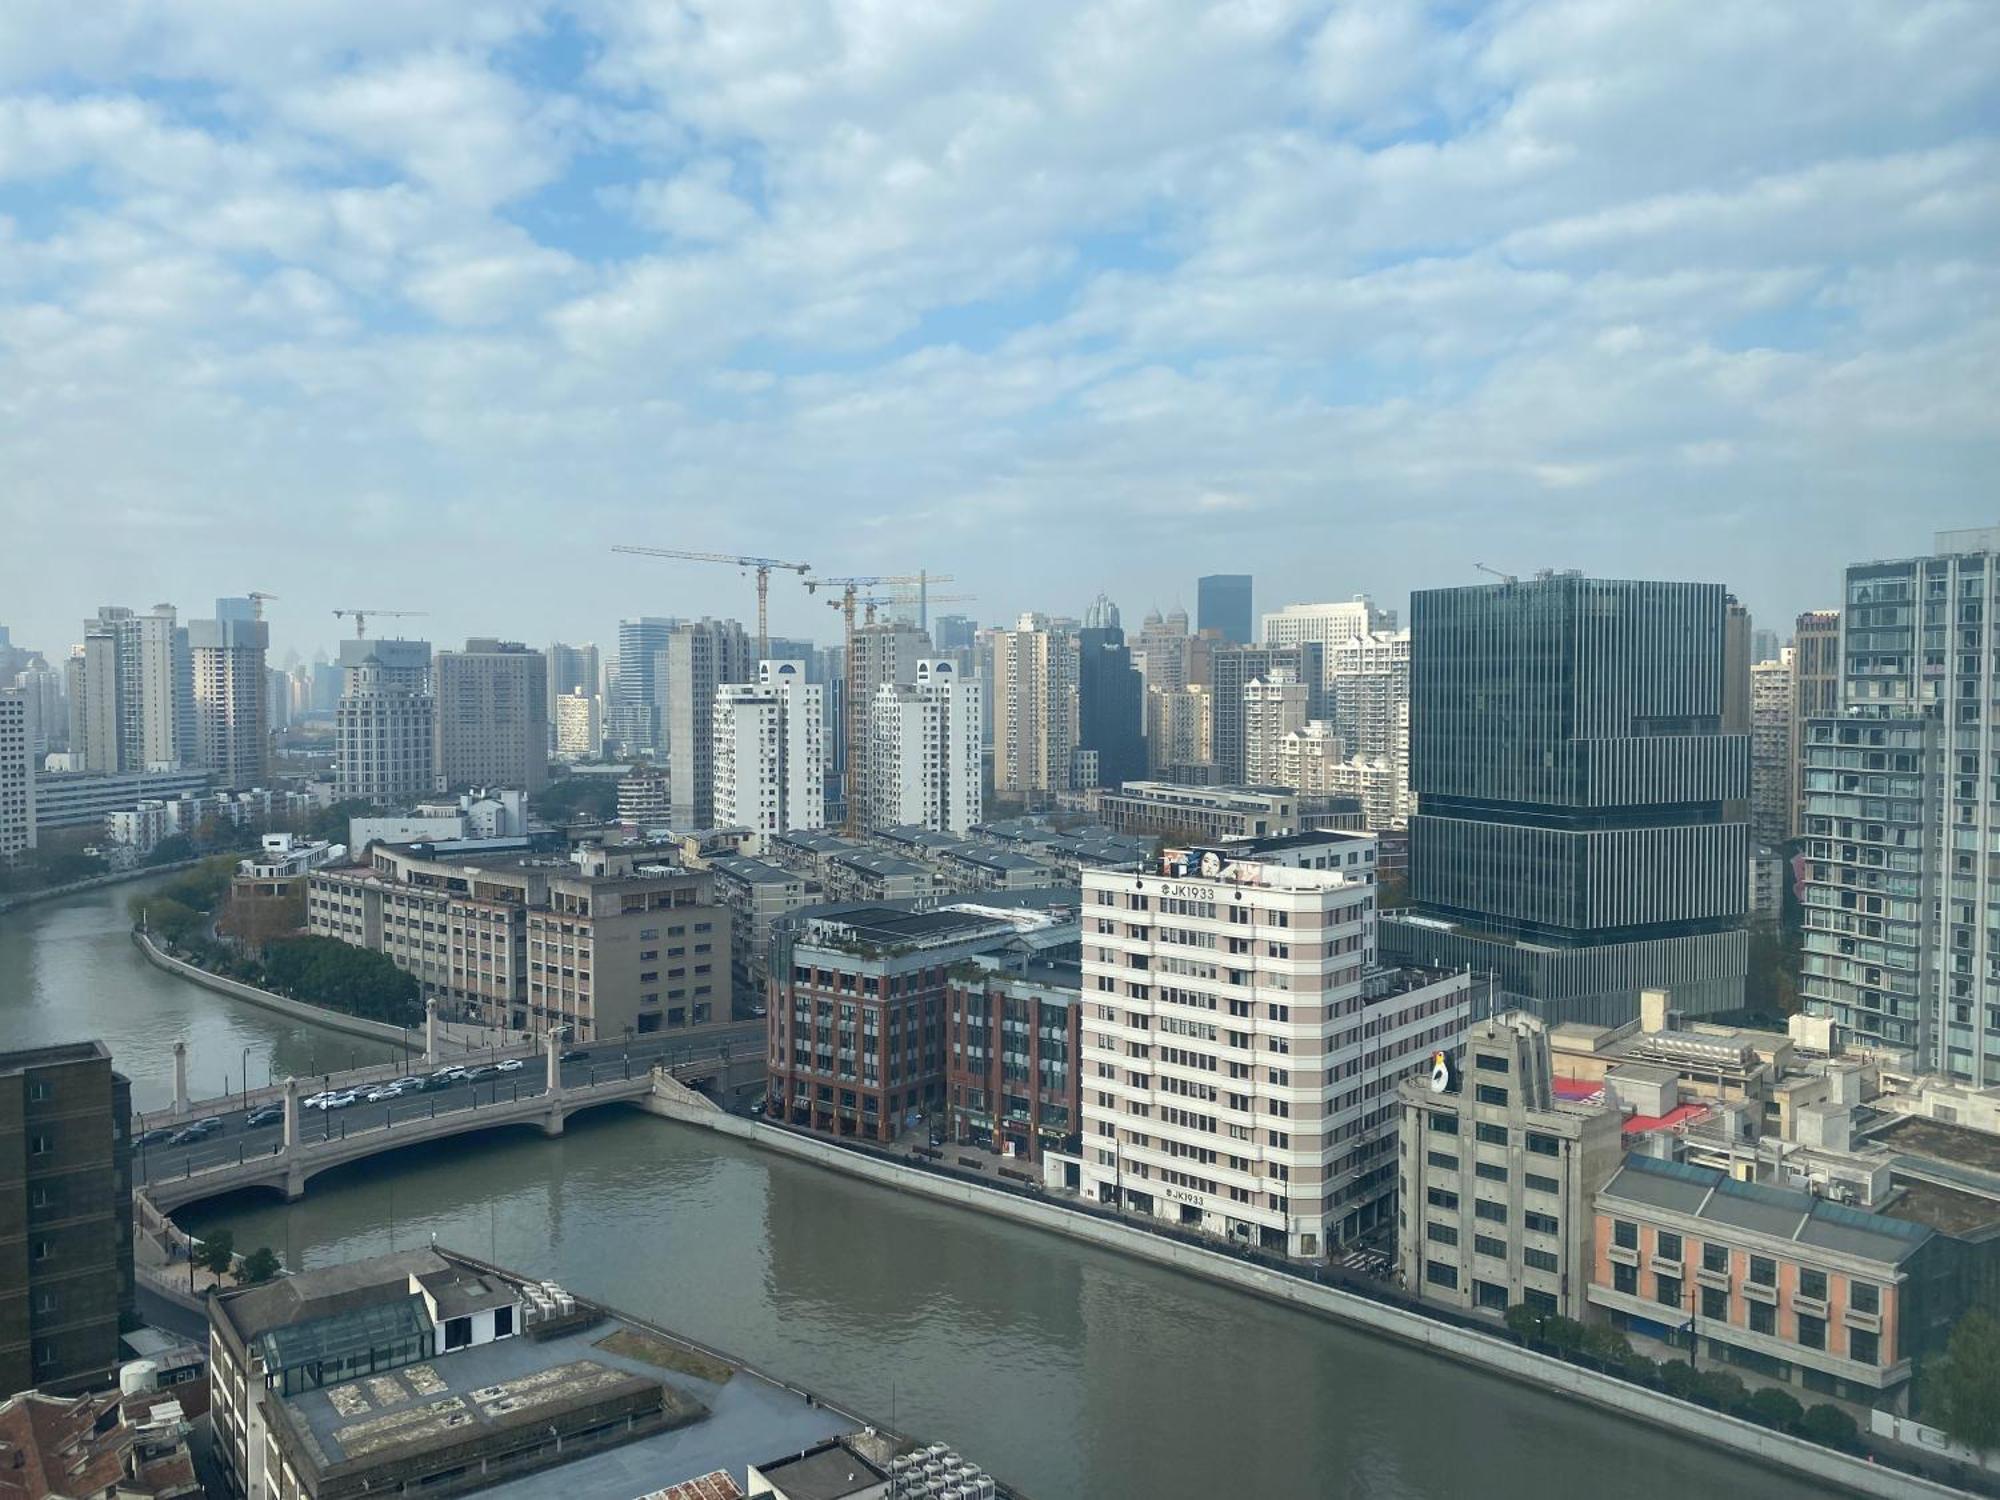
(257, 598)
(850, 595)
(361, 617)
(762, 566)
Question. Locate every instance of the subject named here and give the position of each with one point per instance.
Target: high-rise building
(1815, 694)
(635, 720)
(17, 776)
(924, 751)
(700, 656)
(1329, 624)
(66, 1200)
(1035, 709)
(769, 744)
(579, 725)
(573, 671)
(954, 632)
(1274, 706)
(1221, 995)
(1222, 604)
(1902, 906)
(280, 693)
(133, 690)
(1736, 660)
(1101, 614)
(883, 654)
(47, 697)
(1771, 750)
(492, 717)
(1231, 668)
(1180, 728)
(231, 699)
(1161, 652)
(1571, 773)
(1111, 709)
(1764, 644)
(385, 722)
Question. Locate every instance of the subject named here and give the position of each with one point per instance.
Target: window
(1544, 1145)
(1625, 1279)
(503, 1322)
(1763, 1271)
(1542, 1184)
(1541, 1223)
(41, 1143)
(1441, 1234)
(1488, 1171)
(1864, 1296)
(457, 1333)
(1715, 1304)
(1812, 1284)
(1539, 1260)
(1444, 1122)
(1715, 1257)
(1492, 1135)
(1485, 1244)
(1667, 1245)
(1440, 1159)
(1812, 1331)
(1437, 1273)
(1763, 1318)
(1863, 1347)
(1488, 1093)
(1625, 1234)
(1441, 1198)
(1667, 1291)
(1491, 1062)
(1490, 1296)
(1493, 1213)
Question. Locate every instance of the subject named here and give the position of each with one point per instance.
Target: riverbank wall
(1511, 1362)
(298, 1010)
(94, 882)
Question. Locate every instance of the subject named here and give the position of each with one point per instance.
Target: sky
(427, 305)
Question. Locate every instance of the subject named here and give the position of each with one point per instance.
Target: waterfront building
(1571, 771)
(1771, 692)
(1274, 706)
(636, 723)
(1111, 712)
(1902, 901)
(1199, 814)
(1013, 1082)
(1230, 670)
(579, 726)
(1241, 1047)
(17, 777)
(768, 741)
(1034, 679)
(66, 1283)
(384, 722)
(924, 751)
(858, 1015)
(1222, 604)
(79, 800)
(492, 716)
(231, 699)
(1497, 1176)
(1815, 695)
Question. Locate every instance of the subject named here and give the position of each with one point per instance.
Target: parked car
(508, 1065)
(265, 1114)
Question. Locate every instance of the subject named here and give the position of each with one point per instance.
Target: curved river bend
(1068, 1370)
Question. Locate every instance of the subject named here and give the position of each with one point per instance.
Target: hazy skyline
(425, 306)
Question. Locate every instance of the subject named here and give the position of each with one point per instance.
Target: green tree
(578, 799)
(1962, 1390)
(218, 1252)
(1721, 1390)
(171, 850)
(1776, 1409)
(1606, 1345)
(260, 1265)
(1831, 1427)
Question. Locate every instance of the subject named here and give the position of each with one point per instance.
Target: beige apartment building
(1034, 707)
(1497, 1176)
(1241, 1049)
(1274, 706)
(492, 717)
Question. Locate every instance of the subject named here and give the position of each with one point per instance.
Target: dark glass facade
(1111, 705)
(1222, 603)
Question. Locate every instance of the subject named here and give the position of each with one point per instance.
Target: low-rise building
(79, 800)
(1498, 1175)
(1014, 1081)
(758, 894)
(110, 1444)
(1199, 814)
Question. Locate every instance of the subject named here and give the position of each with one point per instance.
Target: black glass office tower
(1111, 705)
(1571, 772)
(1222, 602)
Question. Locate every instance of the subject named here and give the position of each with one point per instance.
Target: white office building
(924, 751)
(1274, 706)
(1327, 624)
(769, 747)
(1241, 1049)
(231, 699)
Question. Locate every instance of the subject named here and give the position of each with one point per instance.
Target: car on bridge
(264, 1114)
(158, 1136)
(575, 1054)
(383, 1092)
(200, 1130)
(508, 1065)
(339, 1100)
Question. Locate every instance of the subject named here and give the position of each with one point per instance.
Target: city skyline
(1350, 298)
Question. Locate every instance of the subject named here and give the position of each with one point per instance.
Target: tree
(1962, 1390)
(259, 1265)
(1776, 1409)
(1722, 1391)
(1831, 1427)
(171, 850)
(1606, 1345)
(218, 1252)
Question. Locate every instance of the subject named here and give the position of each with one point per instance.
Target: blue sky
(427, 305)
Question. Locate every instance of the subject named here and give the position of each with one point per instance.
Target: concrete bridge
(173, 1178)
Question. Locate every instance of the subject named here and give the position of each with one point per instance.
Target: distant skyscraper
(1770, 749)
(573, 670)
(134, 686)
(492, 722)
(1329, 624)
(954, 632)
(231, 699)
(1034, 680)
(240, 611)
(884, 655)
(635, 721)
(1902, 905)
(1230, 669)
(1764, 645)
(1180, 729)
(1815, 693)
(1571, 774)
(1274, 706)
(384, 723)
(924, 751)
(701, 656)
(1222, 603)
(769, 741)
(1101, 614)
(1161, 653)
(277, 699)
(1368, 685)
(579, 725)
(17, 776)
(1111, 705)
(43, 689)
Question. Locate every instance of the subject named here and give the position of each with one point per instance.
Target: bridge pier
(552, 1121)
(180, 1078)
(431, 1031)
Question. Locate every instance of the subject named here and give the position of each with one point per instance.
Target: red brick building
(1011, 1072)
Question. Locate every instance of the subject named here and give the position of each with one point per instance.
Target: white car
(340, 1100)
(381, 1093)
(314, 1101)
(508, 1065)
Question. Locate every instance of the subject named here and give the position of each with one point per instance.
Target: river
(1067, 1370)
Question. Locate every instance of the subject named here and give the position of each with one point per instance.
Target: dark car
(267, 1114)
(576, 1054)
(157, 1137)
(200, 1130)
(473, 1075)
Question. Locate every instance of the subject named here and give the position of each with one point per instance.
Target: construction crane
(257, 598)
(850, 595)
(869, 603)
(1503, 577)
(762, 566)
(361, 617)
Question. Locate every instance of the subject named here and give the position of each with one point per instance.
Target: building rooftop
(53, 1057)
(832, 1471)
(1780, 1213)
(753, 871)
(1953, 1145)
(95, 1444)
(1948, 1210)
(897, 927)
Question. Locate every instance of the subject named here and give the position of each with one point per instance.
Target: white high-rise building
(17, 776)
(579, 725)
(769, 747)
(132, 692)
(232, 700)
(1274, 706)
(700, 656)
(384, 722)
(924, 751)
(1035, 725)
(1240, 1049)
(1180, 727)
(48, 708)
(1328, 624)
(1771, 693)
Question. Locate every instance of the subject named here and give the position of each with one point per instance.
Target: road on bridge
(154, 1159)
